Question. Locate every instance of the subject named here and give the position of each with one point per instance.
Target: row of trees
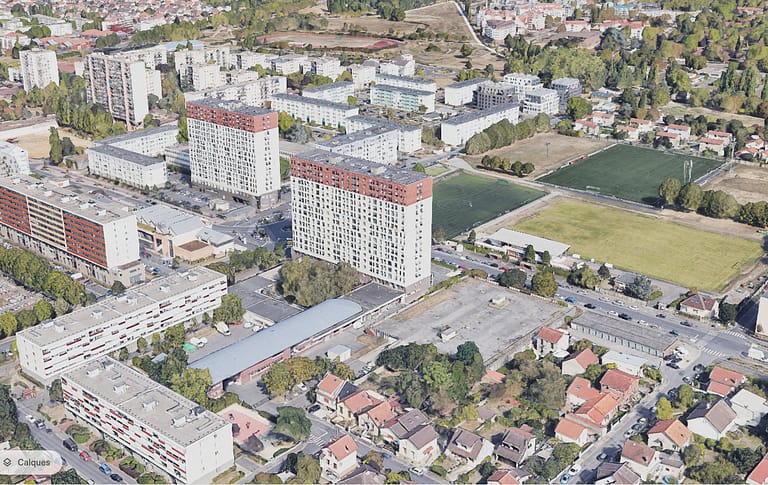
(339, 6)
(283, 376)
(261, 258)
(11, 323)
(36, 274)
(309, 281)
(497, 163)
(504, 133)
(712, 203)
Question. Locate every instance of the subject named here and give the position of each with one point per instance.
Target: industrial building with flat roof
(247, 359)
(49, 349)
(377, 218)
(514, 243)
(626, 334)
(178, 436)
(91, 234)
(127, 167)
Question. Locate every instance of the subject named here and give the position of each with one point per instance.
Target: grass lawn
(628, 172)
(463, 201)
(436, 169)
(632, 242)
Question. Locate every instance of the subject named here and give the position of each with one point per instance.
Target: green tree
(593, 373)
(639, 288)
(744, 459)
(472, 237)
(64, 477)
(466, 50)
(43, 310)
(530, 254)
(466, 352)
(26, 318)
(578, 108)
(690, 196)
(685, 396)
(603, 272)
(583, 277)
(418, 167)
(55, 393)
(193, 384)
(437, 376)
(307, 470)
(293, 423)
(512, 278)
(55, 154)
(183, 135)
(546, 258)
(123, 355)
(277, 380)
(141, 345)
(664, 409)
(544, 284)
(669, 190)
(231, 309)
(718, 471)
(719, 204)
(117, 288)
(352, 100)
(692, 454)
(727, 312)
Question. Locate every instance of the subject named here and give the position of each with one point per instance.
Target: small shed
(342, 352)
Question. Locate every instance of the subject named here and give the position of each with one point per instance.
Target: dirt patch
(38, 147)
(557, 149)
(426, 305)
(329, 41)
(680, 110)
(747, 183)
(448, 56)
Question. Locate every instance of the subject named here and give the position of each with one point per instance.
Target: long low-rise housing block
(313, 110)
(463, 92)
(457, 130)
(377, 144)
(151, 142)
(624, 334)
(127, 167)
(176, 435)
(408, 136)
(49, 349)
(418, 83)
(406, 99)
(334, 92)
(14, 160)
(253, 93)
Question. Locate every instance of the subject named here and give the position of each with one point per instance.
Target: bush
(151, 478)
(438, 470)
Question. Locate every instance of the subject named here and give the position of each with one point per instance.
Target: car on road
(39, 423)
(661, 315)
(602, 456)
(687, 379)
(570, 299)
(642, 322)
(673, 365)
(31, 418)
(628, 433)
(565, 478)
(637, 427)
(698, 368)
(675, 332)
(634, 307)
(686, 323)
(314, 408)
(613, 313)
(70, 444)
(116, 478)
(642, 420)
(105, 469)
(85, 456)
(575, 469)
(590, 306)
(618, 303)
(624, 316)
(302, 387)
(416, 470)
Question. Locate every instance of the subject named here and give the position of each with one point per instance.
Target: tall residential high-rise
(234, 147)
(119, 85)
(38, 68)
(378, 218)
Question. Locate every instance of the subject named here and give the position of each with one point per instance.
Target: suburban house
(598, 412)
(712, 145)
(724, 382)
(641, 458)
(643, 126)
(469, 446)
(517, 445)
(414, 436)
(759, 475)
(578, 362)
(669, 434)
(673, 138)
(699, 306)
(493, 377)
(749, 408)
(371, 420)
(602, 119)
(364, 475)
(633, 134)
(351, 406)
(724, 136)
(580, 391)
(587, 126)
(621, 383)
(627, 363)
(712, 420)
(338, 459)
(331, 390)
(550, 341)
(611, 473)
(508, 477)
(683, 131)
(568, 431)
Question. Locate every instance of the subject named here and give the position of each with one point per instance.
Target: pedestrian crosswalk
(318, 440)
(716, 353)
(734, 333)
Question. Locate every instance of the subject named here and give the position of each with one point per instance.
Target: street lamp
(547, 143)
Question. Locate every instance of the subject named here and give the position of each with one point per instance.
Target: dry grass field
(38, 147)
(747, 183)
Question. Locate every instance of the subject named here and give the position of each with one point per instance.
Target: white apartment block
(152, 56)
(327, 66)
(377, 144)
(291, 63)
(314, 110)
(378, 218)
(151, 142)
(541, 100)
(362, 75)
(239, 76)
(176, 435)
(14, 160)
(335, 92)
(38, 68)
(60, 29)
(498, 30)
(408, 139)
(218, 55)
(248, 59)
(417, 83)
(567, 88)
(234, 147)
(206, 76)
(489, 95)
(126, 167)
(118, 85)
(461, 93)
(252, 93)
(187, 57)
(402, 98)
(48, 350)
(154, 82)
(96, 238)
(523, 83)
(457, 130)
(402, 65)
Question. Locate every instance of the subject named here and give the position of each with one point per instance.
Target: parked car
(675, 332)
(303, 387)
(698, 368)
(673, 365)
(574, 469)
(31, 418)
(116, 478)
(686, 323)
(570, 299)
(85, 456)
(105, 469)
(70, 444)
(590, 306)
(637, 427)
(642, 420)
(624, 316)
(416, 470)
(661, 315)
(602, 456)
(565, 478)
(314, 408)
(613, 313)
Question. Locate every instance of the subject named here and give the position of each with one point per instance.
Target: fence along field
(628, 172)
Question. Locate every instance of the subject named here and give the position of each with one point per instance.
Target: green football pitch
(463, 201)
(628, 172)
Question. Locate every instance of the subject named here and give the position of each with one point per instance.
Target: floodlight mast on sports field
(687, 169)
